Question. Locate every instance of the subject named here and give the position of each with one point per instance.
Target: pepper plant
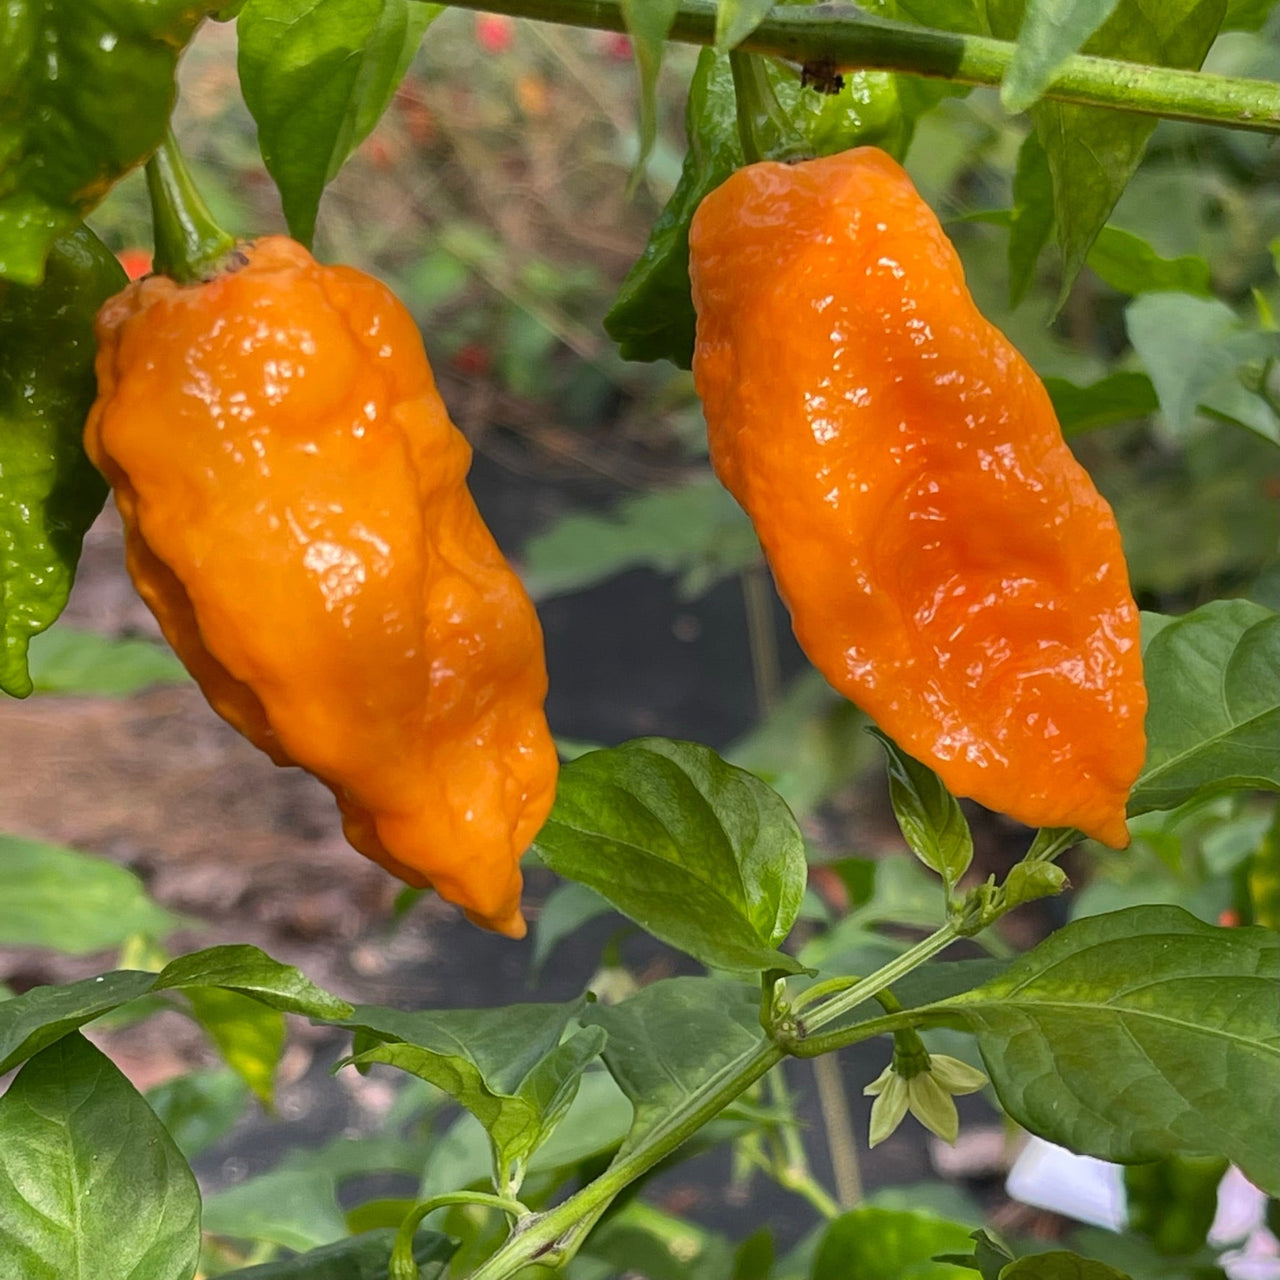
(1144, 1035)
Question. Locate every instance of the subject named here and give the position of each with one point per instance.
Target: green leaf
(362, 1257)
(1092, 152)
(1247, 15)
(294, 1208)
(1137, 1035)
(50, 492)
(65, 660)
(77, 903)
(1193, 349)
(253, 973)
(508, 1067)
(596, 1121)
(85, 95)
(1051, 32)
(753, 1258)
(673, 1036)
(249, 1035)
(316, 76)
(1028, 881)
(43, 1015)
(871, 1244)
(929, 816)
(199, 1108)
(1060, 1264)
(90, 1182)
(1130, 265)
(652, 317)
(737, 19)
(1119, 397)
(695, 530)
(295, 1204)
(1214, 682)
(989, 1257)
(698, 853)
(1031, 218)
(648, 22)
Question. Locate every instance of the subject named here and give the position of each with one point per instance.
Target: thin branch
(843, 36)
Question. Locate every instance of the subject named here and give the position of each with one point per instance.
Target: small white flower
(927, 1095)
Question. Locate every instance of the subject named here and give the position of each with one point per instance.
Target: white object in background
(1078, 1187)
(1092, 1191)
(1241, 1221)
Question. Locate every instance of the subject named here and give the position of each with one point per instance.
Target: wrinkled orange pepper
(948, 565)
(297, 518)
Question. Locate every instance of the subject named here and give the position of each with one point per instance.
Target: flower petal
(888, 1110)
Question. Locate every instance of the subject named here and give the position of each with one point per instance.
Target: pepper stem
(190, 246)
(764, 128)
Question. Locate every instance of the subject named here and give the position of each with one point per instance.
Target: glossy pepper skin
(948, 565)
(297, 518)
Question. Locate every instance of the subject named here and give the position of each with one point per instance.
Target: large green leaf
(871, 1243)
(1213, 678)
(695, 530)
(672, 1037)
(317, 74)
(40, 1017)
(51, 896)
(1195, 350)
(1092, 152)
(90, 1182)
(1136, 1035)
(512, 1068)
(253, 973)
(695, 851)
(85, 95)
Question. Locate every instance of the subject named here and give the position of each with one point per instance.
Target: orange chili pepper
(948, 564)
(297, 518)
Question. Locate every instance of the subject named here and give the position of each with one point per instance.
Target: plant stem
(841, 1143)
(848, 38)
(402, 1260)
(190, 246)
(849, 999)
(552, 1238)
